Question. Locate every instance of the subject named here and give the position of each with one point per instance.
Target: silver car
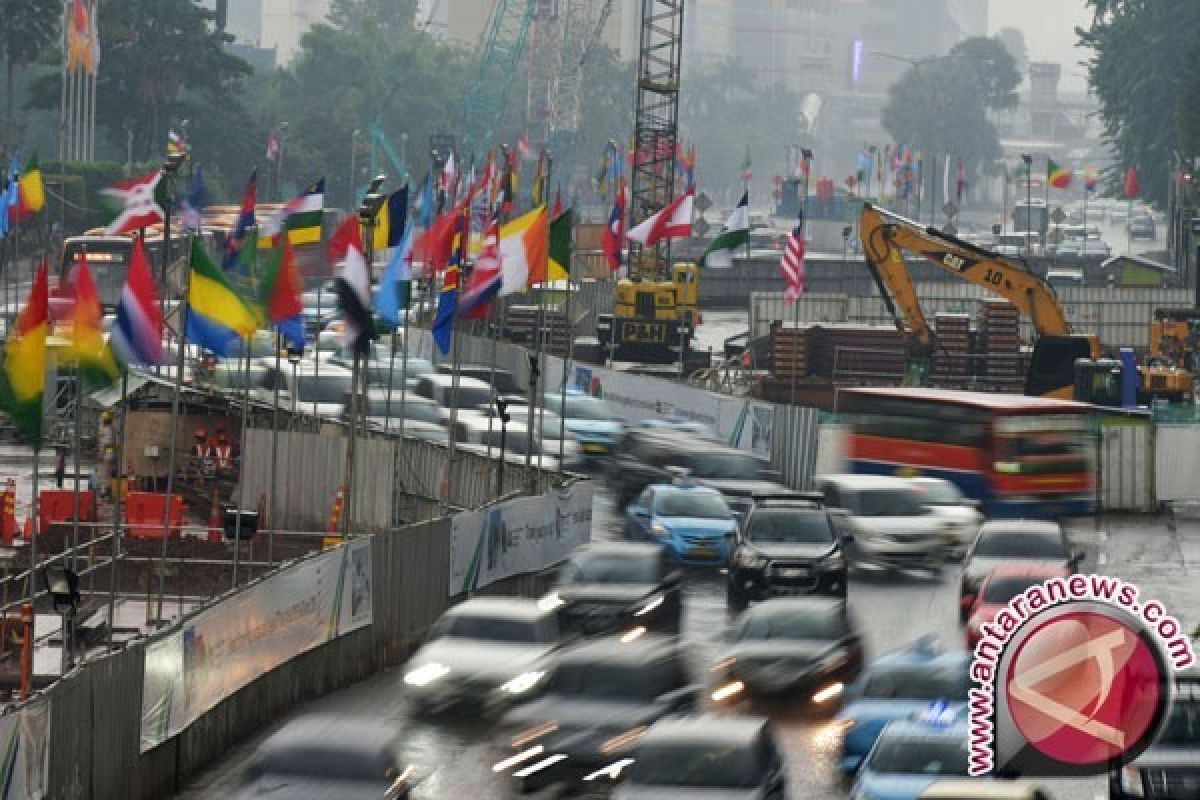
(884, 523)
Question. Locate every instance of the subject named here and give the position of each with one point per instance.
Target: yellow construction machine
(652, 319)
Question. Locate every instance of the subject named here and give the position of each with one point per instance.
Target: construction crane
(656, 127)
(503, 45)
(582, 33)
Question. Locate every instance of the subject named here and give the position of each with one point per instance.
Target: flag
(82, 43)
(673, 222)
(449, 174)
(301, 217)
(746, 165)
(217, 316)
(23, 377)
(137, 334)
(557, 210)
(393, 291)
(486, 279)
(538, 190)
(10, 201)
(735, 234)
(5, 182)
(559, 252)
(272, 146)
(614, 235)
(241, 246)
(397, 207)
(524, 251)
(1057, 176)
(86, 345)
(353, 284)
(279, 295)
(434, 247)
(31, 193)
(176, 146)
(425, 202)
(508, 188)
(792, 264)
(135, 204)
(194, 202)
(524, 148)
(443, 323)
(1090, 181)
(600, 178)
(1132, 187)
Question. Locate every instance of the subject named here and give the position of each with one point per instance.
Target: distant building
(262, 26)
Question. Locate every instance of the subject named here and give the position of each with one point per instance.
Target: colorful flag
(672, 222)
(1058, 176)
(559, 252)
(85, 342)
(524, 251)
(194, 202)
(393, 291)
(353, 284)
(272, 146)
(524, 148)
(217, 316)
(31, 193)
(397, 207)
(613, 242)
(279, 294)
(557, 210)
(5, 182)
(425, 205)
(486, 279)
(434, 247)
(792, 264)
(135, 204)
(176, 146)
(443, 323)
(735, 234)
(137, 334)
(1132, 187)
(83, 44)
(538, 190)
(241, 247)
(301, 217)
(23, 377)
(1090, 180)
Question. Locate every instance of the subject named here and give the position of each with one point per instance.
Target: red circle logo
(1084, 688)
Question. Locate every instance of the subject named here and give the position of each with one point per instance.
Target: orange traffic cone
(335, 519)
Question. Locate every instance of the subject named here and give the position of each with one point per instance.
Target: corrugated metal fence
(1120, 317)
(96, 711)
(794, 444)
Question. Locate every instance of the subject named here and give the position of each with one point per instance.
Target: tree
(391, 16)
(29, 27)
(1014, 42)
(940, 107)
(1144, 72)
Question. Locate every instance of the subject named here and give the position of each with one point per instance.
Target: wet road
(460, 753)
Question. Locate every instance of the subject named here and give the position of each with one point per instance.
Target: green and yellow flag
(86, 346)
(23, 376)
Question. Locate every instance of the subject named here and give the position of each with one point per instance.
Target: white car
(962, 513)
(884, 522)
(485, 651)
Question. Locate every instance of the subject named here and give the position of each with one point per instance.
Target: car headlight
(834, 560)
(524, 682)
(426, 674)
(649, 605)
(1131, 782)
(660, 530)
(748, 557)
(551, 602)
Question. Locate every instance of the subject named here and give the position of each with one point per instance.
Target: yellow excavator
(1052, 369)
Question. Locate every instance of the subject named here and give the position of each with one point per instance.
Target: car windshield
(889, 503)
(488, 628)
(470, 397)
(1003, 589)
(697, 764)
(939, 493)
(421, 412)
(610, 568)
(916, 683)
(726, 466)
(761, 624)
(1021, 544)
(325, 760)
(790, 526)
(579, 407)
(699, 505)
(613, 682)
(322, 388)
(1183, 724)
(924, 755)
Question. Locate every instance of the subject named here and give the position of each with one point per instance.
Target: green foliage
(1145, 71)
(28, 28)
(941, 106)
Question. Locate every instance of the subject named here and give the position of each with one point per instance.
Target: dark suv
(653, 456)
(785, 547)
(605, 587)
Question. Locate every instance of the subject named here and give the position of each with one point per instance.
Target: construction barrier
(8, 524)
(58, 505)
(144, 512)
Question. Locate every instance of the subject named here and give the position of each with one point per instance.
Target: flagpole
(181, 335)
(403, 363)
(241, 484)
(562, 417)
(274, 507)
(116, 532)
(532, 435)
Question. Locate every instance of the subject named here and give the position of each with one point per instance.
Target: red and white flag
(792, 264)
(673, 222)
(134, 204)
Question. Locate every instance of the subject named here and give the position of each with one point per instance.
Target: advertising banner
(524, 535)
(224, 648)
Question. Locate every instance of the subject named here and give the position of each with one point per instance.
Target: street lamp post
(1028, 159)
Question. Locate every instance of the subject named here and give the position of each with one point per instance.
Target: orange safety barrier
(144, 512)
(335, 519)
(58, 505)
(8, 522)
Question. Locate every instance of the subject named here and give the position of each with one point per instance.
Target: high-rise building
(272, 25)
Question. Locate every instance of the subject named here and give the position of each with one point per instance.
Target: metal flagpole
(316, 355)
(241, 487)
(116, 532)
(274, 506)
(355, 376)
(75, 445)
(181, 336)
(548, 331)
(562, 417)
(404, 363)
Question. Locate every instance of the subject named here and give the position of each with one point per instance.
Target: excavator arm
(886, 237)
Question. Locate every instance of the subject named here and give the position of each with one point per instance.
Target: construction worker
(223, 454)
(201, 455)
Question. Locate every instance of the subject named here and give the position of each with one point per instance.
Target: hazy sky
(1049, 28)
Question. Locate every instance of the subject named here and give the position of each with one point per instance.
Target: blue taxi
(895, 687)
(910, 755)
(694, 523)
